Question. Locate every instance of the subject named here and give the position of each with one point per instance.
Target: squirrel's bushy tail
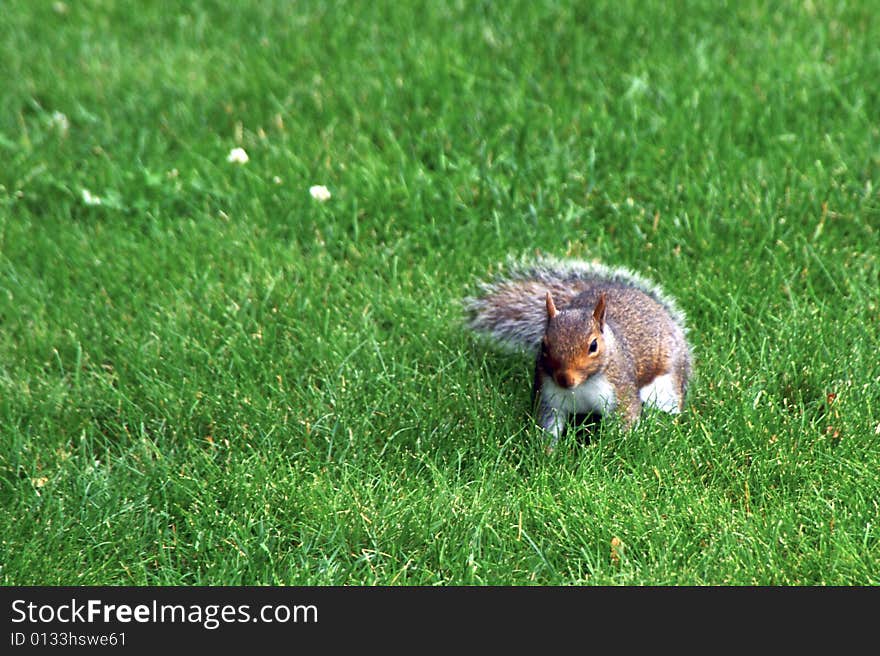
(511, 308)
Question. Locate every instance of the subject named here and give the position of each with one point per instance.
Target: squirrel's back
(511, 308)
(643, 326)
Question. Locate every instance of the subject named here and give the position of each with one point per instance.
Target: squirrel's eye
(593, 346)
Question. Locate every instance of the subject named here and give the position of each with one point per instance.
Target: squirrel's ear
(599, 312)
(551, 307)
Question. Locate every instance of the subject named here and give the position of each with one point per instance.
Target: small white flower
(237, 156)
(320, 193)
(60, 122)
(89, 199)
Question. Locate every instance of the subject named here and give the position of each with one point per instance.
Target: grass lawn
(208, 376)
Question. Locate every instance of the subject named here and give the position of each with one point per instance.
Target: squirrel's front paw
(552, 433)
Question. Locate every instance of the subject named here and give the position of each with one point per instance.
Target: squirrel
(604, 339)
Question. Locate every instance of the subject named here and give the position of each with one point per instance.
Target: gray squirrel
(604, 339)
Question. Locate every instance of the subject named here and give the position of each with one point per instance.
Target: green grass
(211, 378)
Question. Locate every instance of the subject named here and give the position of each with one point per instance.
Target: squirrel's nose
(565, 379)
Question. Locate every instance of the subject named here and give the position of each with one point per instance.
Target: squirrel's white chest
(596, 394)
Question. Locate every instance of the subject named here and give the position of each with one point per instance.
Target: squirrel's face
(572, 348)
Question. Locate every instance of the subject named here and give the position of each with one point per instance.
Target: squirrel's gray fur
(510, 308)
